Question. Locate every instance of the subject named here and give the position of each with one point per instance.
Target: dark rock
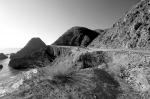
(11, 55)
(24, 58)
(1, 66)
(35, 44)
(3, 56)
(77, 36)
(39, 58)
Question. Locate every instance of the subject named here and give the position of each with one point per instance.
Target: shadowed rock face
(77, 36)
(3, 56)
(1, 66)
(25, 58)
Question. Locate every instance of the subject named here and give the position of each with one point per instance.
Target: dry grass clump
(82, 84)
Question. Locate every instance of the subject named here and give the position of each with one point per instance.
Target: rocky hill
(35, 44)
(24, 58)
(77, 36)
(131, 31)
(40, 58)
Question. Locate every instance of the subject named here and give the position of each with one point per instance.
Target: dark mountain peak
(77, 36)
(78, 27)
(33, 45)
(80, 30)
(36, 39)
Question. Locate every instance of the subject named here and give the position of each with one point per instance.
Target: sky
(20, 20)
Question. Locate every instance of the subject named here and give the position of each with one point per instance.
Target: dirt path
(101, 49)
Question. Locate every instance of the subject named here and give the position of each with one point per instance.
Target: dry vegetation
(83, 84)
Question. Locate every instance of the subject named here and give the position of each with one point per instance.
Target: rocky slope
(131, 31)
(77, 36)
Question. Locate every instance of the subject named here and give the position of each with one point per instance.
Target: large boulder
(77, 36)
(3, 56)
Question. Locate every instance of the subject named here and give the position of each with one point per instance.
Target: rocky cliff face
(131, 31)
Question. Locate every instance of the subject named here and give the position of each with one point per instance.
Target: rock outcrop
(24, 58)
(35, 44)
(77, 36)
(3, 56)
(40, 58)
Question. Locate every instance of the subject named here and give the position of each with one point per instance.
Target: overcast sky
(20, 20)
